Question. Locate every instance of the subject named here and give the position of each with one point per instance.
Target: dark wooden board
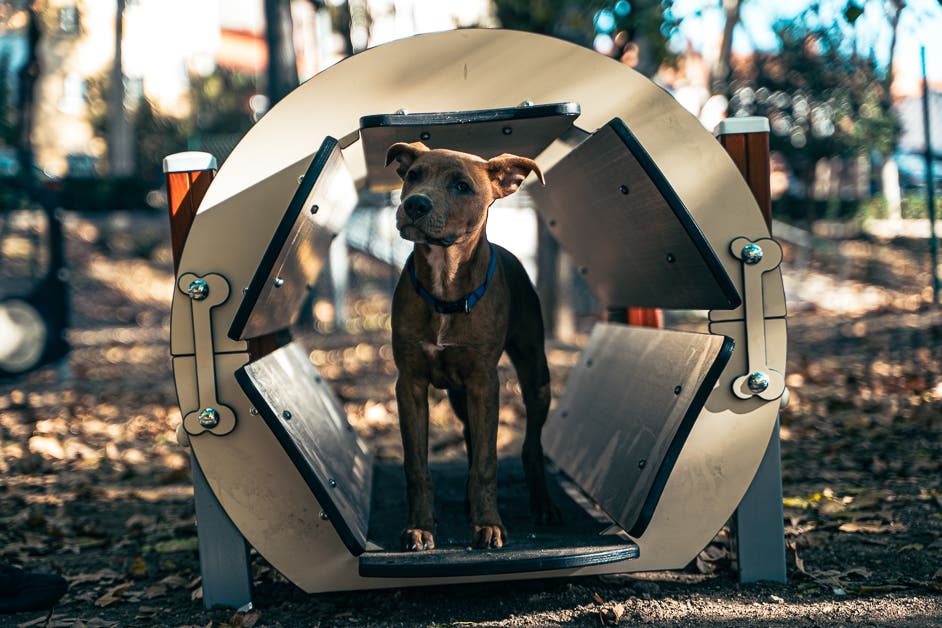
(298, 249)
(635, 243)
(524, 131)
(626, 411)
(331, 458)
(574, 543)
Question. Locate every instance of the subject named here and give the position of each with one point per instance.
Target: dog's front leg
(483, 399)
(412, 398)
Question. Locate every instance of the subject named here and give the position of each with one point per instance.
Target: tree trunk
(719, 79)
(120, 134)
(25, 111)
(279, 35)
(898, 5)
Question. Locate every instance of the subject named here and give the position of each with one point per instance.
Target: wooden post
(188, 176)
(224, 554)
(759, 519)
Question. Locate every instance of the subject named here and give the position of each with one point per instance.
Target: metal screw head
(623, 189)
(323, 515)
(279, 282)
(583, 270)
(507, 130)
(401, 112)
(642, 463)
(424, 135)
(670, 258)
(564, 413)
(208, 418)
(751, 254)
(332, 483)
(287, 415)
(198, 290)
(526, 103)
(677, 390)
(551, 222)
(314, 209)
(253, 411)
(300, 178)
(757, 382)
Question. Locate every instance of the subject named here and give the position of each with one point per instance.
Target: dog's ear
(508, 172)
(405, 154)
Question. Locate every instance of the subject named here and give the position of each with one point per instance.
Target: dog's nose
(417, 206)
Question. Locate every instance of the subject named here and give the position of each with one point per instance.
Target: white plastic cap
(189, 161)
(751, 124)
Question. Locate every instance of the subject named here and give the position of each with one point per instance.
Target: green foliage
(649, 24)
(821, 101)
(220, 104)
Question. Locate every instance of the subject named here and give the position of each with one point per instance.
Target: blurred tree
(720, 72)
(120, 130)
(821, 101)
(282, 62)
(637, 32)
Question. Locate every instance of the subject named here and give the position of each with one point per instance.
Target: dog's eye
(412, 176)
(462, 187)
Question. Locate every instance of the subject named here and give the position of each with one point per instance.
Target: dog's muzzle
(417, 206)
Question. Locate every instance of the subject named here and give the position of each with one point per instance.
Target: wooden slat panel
(578, 542)
(296, 253)
(635, 243)
(524, 131)
(626, 411)
(310, 424)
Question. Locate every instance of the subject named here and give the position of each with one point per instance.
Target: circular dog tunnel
(658, 433)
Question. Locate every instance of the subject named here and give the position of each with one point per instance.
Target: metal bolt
(314, 209)
(564, 413)
(424, 135)
(670, 258)
(253, 411)
(623, 189)
(583, 270)
(507, 130)
(287, 415)
(751, 254)
(332, 483)
(323, 515)
(245, 290)
(588, 362)
(300, 178)
(279, 282)
(551, 222)
(526, 103)
(401, 112)
(757, 382)
(642, 463)
(677, 390)
(208, 418)
(198, 290)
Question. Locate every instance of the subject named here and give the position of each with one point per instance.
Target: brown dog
(459, 304)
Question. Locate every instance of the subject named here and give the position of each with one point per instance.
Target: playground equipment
(33, 322)
(658, 434)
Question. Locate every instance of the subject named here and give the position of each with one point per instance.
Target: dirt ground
(94, 486)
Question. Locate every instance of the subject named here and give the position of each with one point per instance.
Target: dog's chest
(453, 353)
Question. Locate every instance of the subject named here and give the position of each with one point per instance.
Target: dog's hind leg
(529, 360)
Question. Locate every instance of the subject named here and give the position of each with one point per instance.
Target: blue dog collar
(463, 304)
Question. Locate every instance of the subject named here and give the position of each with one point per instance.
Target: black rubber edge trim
(680, 210)
(313, 172)
(680, 437)
(354, 542)
(370, 569)
(569, 109)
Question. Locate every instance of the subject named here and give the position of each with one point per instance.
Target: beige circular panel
(453, 71)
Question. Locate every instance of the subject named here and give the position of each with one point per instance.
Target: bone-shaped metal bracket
(206, 292)
(757, 257)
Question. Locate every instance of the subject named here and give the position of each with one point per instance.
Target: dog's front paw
(488, 536)
(416, 540)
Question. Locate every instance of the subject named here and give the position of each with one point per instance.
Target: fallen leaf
(245, 620)
(598, 598)
(912, 547)
(197, 594)
(112, 595)
(177, 545)
(611, 615)
(138, 567)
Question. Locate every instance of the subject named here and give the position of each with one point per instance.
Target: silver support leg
(224, 553)
(760, 527)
